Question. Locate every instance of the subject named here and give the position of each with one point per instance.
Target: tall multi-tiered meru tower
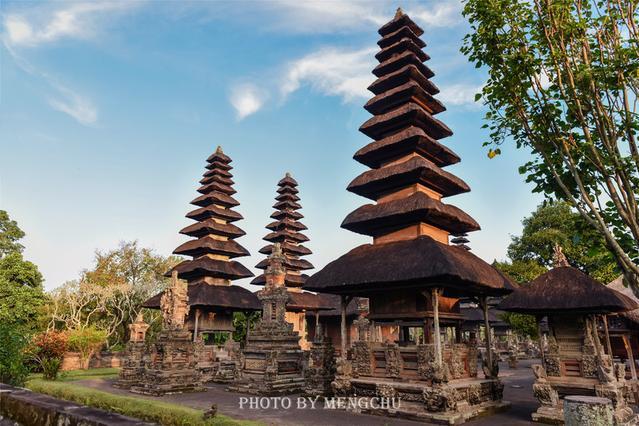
(286, 230)
(411, 274)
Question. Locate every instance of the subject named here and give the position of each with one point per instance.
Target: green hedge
(153, 411)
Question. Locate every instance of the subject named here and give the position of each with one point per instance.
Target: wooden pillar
(489, 341)
(604, 319)
(628, 346)
(437, 335)
(247, 315)
(197, 317)
(345, 300)
(541, 340)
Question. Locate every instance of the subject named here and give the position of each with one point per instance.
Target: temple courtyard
(517, 384)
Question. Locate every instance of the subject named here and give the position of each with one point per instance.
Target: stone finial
(218, 150)
(399, 13)
(288, 174)
(559, 258)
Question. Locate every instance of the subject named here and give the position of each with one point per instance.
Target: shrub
(86, 341)
(13, 344)
(47, 350)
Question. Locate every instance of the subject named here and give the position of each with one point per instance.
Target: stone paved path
(517, 390)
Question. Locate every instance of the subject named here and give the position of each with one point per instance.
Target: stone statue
(559, 258)
(174, 304)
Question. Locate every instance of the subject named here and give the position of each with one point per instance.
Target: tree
(86, 341)
(109, 296)
(563, 82)
(13, 343)
(557, 223)
(21, 292)
(10, 234)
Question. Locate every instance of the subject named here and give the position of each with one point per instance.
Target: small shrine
(575, 361)
(411, 274)
(320, 372)
(212, 297)
(133, 362)
(286, 230)
(171, 364)
(273, 360)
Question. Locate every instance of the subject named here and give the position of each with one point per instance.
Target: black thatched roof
(566, 289)
(334, 302)
(419, 263)
(220, 296)
(476, 315)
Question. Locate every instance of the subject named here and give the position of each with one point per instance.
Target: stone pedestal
(587, 410)
(132, 370)
(171, 367)
(133, 362)
(273, 360)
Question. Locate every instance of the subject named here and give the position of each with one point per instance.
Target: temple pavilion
(411, 274)
(211, 296)
(286, 230)
(576, 361)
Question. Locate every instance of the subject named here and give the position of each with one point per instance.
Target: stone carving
(385, 391)
(456, 365)
(393, 360)
(425, 359)
(321, 369)
(473, 355)
(440, 398)
(174, 304)
(362, 358)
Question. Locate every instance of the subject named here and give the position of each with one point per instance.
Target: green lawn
(94, 373)
(149, 410)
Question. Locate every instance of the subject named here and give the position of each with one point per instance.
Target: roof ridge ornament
(559, 258)
(399, 13)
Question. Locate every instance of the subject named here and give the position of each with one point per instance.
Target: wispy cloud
(42, 25)
(247, 99)
(76, 106)
(332, 71)
(440, 14)
(75, 20)
(459, 94)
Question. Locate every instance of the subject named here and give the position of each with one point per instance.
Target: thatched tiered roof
(286, 230)
(568, 290)
(408, 220)
(210, 271)
(618, 285)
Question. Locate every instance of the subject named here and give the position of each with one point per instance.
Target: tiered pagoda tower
(215, 234)
(407, 180)
(411, 274)
(212, 268)
(286, 231)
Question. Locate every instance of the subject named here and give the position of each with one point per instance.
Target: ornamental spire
(214, 247)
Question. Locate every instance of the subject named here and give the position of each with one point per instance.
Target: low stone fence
(71, 360)
(22, 407)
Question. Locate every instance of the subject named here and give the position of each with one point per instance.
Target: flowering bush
(47, 349)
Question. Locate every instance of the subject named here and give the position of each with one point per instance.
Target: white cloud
(247, 99)
(77, 20)
(441, 14)
(78, 107)
(332, 71)
(325, 16)
(459, 94)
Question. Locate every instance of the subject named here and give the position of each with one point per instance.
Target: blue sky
(108, 111)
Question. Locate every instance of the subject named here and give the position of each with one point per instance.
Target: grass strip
(164, 413)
